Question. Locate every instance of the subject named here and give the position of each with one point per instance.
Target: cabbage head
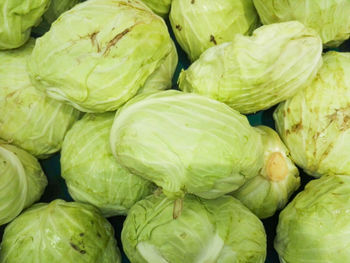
(315, 123)
(160, 7)
(161, 79)
(28, 118)
(330, 18)
(186, 143)
(314, 227)
(201, 24)
(254, 73)
(22, 181)
(101, 53)
(193, 230)
(270, 190)
(17, 17)
(56, 8)
(59, 232)
(91, 171)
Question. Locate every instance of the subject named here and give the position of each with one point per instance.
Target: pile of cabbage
(182, 128)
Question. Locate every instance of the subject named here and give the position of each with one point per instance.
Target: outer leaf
(56, 8)
(161, 79)
(59, 232)
(160, 7)
(314, 227)
(99, 64)
(315, 124)
(200, 24)
(91, 171)
(186, 143)
(254, 73)
(220, 230)
(22, 181)
(269, 191)
(28, 118)
(330, 18)
(17, 17)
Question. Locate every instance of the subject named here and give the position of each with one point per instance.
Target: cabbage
(220, 230)
(161, 79)
(17, 17)
(160, 7)
(254, 73)
(59, 232)
(22, 181)
(314, 227)
(100, 53)
(269, 191)
(201, 24)
(56, 8)
(315, 124)
(186, 143)
(330, 18)
(28, 118)
(91, 172)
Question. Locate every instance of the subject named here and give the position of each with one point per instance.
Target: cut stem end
(277, 168)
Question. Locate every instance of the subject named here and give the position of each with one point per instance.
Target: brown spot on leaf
(178, 27)
(346, 123)
(297, 127)
(115, 40)
(192, 2)
(130, 4)
(183, 235)
(94, 41)
(316, 135)
(212, 39)
(341, 117)
(333, 116)
(11, 94)
(75, 247)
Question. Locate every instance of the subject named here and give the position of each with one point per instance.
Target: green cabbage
(314, 227)
(100, 53)
(254, 73)
(22, 181)
(220, 230)
(160, 7)
(277, 180)
(28, 118)
(330, 18)
(186, 143)
(17, 17)
(315, 124)
(200, 24)
(92, 173)
(56, 8)
(59, 232)
(161, 79)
